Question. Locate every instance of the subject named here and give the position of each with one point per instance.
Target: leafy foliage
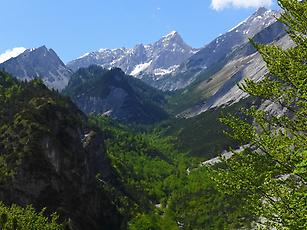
(199, 205)
(152, 221)
(18, 218)
(24, 106)
(143, 161)
(271, 171)
(170, 189)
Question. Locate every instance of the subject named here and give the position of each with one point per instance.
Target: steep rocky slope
(51, 157)
(221, 87)
(39, 63)
(156, 60)
(111, 92)
(213, 55)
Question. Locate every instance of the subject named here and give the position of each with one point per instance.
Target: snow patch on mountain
(161, 72)
(157, 59)
(214, 53)
(171, 34)
(261, 18)
(139, 68)
(84, 55)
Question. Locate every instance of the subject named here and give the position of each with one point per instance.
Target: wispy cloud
(156, 12)
(222, 4)
(8, 54)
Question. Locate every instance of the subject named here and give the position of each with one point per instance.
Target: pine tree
(270, 174)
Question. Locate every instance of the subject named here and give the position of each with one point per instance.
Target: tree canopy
(269, 175)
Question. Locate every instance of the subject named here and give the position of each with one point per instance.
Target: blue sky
(74, 27)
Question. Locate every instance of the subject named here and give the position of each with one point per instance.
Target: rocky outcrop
(56, 158)
(39, 63)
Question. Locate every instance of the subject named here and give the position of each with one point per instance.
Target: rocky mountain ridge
(113, 93)
(157, 59)
(208, 77)
(221, 87)
(39, 62)
(215, 53)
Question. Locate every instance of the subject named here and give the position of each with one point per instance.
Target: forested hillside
(168, 187)
(113, 93)
(50, 157)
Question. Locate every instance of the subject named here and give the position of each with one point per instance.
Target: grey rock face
(39, 63)
(111, 105)
(226, 43)
(58, 169)
(244, 63)
(217, 51)
(157, 59)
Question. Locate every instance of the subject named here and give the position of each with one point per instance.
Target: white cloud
(222, 4)
(8, 54)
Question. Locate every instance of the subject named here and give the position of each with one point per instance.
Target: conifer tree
(270, 174)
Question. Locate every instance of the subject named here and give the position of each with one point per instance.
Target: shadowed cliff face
(54, 157)
(111, 92)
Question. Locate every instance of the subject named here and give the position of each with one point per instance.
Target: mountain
(8, 54)
(214, 53)
(39, 63)
(218, 86)
(226, 43)
(156, 60)
(51, 156)
(112, 92)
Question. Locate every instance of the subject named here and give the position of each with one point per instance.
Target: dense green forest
(171, 186)
(203, 136)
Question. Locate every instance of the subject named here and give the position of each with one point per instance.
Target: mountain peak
(264, 12)
(42, 48)
(39, 50)
(171, 38)
(261, 18)
(261, 10)
(39, 62)
(156, 59)
(171, 34)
